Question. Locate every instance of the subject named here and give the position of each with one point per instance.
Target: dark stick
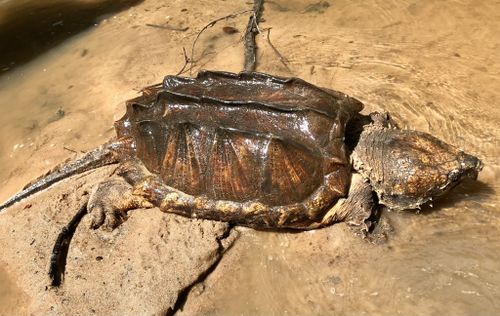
(252, 29)
(69, 149)
(61, 247)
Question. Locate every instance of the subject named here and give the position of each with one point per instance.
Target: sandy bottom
(434, 65)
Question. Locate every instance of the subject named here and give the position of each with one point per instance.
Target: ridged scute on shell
(247, 137)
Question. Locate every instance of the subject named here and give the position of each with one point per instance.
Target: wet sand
(434, 66)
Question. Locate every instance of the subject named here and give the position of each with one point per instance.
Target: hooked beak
(469, 168)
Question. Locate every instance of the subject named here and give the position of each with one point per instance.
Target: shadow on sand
(30, 28)
(480, 191)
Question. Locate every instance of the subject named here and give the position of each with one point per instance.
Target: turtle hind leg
(111, 199)
(109, 202)
(107, 207)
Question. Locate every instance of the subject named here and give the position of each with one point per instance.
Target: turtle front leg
(355, 209)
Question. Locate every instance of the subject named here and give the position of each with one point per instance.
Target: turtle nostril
(454, 175)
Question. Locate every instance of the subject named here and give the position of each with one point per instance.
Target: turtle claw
(96, 217)
(105, 218)
(109, 203)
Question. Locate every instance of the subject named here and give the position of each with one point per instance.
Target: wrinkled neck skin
(405, 168)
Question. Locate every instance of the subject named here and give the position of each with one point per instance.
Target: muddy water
(434, 65)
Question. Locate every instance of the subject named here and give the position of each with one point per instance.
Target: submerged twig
(186, 62)
(282, 58)
(69, 149)
(212, 23)
(168, 27)
(251, 31)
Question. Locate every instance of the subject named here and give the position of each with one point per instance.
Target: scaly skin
(109, 153)
(409, 168)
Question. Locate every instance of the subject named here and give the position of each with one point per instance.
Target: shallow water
(434, 65)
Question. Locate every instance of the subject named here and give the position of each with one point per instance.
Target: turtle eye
(454, 175)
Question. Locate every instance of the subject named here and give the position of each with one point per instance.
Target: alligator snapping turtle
(261, 151)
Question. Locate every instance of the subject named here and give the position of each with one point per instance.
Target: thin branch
(282, 58)
(212, 23)
(69, 149)
(251, 31)
(186, 62)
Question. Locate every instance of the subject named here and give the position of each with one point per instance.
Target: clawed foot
(106, 208)
(109, 202)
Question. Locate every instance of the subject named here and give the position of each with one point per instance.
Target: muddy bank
(140, 268)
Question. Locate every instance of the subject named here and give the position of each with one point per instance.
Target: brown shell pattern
(243, 137)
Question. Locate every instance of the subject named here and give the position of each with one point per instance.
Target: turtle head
(469, 168)
(408, 168)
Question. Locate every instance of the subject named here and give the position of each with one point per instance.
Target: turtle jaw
(468, 168)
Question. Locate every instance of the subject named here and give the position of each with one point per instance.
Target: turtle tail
(104, 155)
